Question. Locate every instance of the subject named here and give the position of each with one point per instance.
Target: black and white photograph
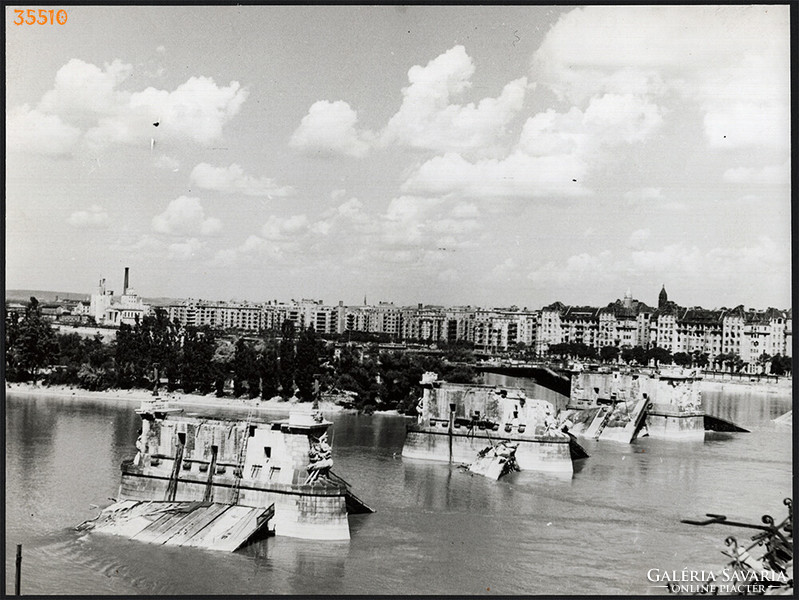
(404, 300)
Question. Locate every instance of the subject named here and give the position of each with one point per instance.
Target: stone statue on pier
(321, 456)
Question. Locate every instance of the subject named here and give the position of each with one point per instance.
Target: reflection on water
(438, 529)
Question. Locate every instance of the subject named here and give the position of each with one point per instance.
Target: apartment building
(623, 323)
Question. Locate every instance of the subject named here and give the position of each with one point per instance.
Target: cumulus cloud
(731, 62)
(186, 216)
(95, 217)
(518, 175)
(761, 259)
(646, 193)
(196, 110)
(554, 154)
(253, 248)
(185, 250)
(331, 128)
(30, 130)
(638, 238)
(281, 228)
(429, 119)
(352, 210)
(233, 180)
(427, 224)
(87, 104)
(167, 162)
(84, 90)
(768, 175)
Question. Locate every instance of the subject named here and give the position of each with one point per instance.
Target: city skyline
(486, 156)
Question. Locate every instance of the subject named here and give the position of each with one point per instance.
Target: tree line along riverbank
(157, 353)
(204, 362)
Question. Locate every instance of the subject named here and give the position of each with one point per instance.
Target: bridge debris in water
(208, 525)
(625, 404)
(495, 461)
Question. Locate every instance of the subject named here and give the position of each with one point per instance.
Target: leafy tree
(730, 361)
(458, 350)
(287, 361)
(12, 332)
(95, 378)
(637, 354)
(268, 368)
(222, 362)
(196, 356)
(682, 359)
(609, 353)
(659, 356)
(781, 365)
(701, 359)
(245, 370)
(33, 343)
(307, 364)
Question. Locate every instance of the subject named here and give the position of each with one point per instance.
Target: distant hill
(42, 296)
(160, 301)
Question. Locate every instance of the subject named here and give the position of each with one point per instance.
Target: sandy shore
(179, 399)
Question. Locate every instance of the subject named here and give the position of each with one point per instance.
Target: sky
(458, 155)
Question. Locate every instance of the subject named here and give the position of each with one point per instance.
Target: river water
(437, 529)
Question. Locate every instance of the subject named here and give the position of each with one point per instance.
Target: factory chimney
(125, 287)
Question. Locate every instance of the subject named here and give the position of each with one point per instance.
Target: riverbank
(784, 385)
(179, 399)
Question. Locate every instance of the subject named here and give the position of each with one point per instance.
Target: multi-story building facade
(624, 323)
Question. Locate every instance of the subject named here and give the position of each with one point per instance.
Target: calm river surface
(437, 529)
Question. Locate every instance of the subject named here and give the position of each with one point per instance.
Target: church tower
(663, 298)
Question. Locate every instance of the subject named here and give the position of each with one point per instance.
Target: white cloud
(638, 238)
(83, 90)
(465, 210)
(196, 110)
(646, 193)
(254, 248)
(758, 265)
(86, 104)
(185, 250)
(167, 162)
(95, 217)
(427, 225)
(352, 210)
(555, 153)
(731, 62)
(30, 130)
(185, 215)
(429, 120)
(232, 180)
(518, 175)
(506, 269)
(768, 175)
(282, 228)
(449, 276)
(330, 128)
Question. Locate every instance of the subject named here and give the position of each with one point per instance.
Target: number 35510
(40, 17)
